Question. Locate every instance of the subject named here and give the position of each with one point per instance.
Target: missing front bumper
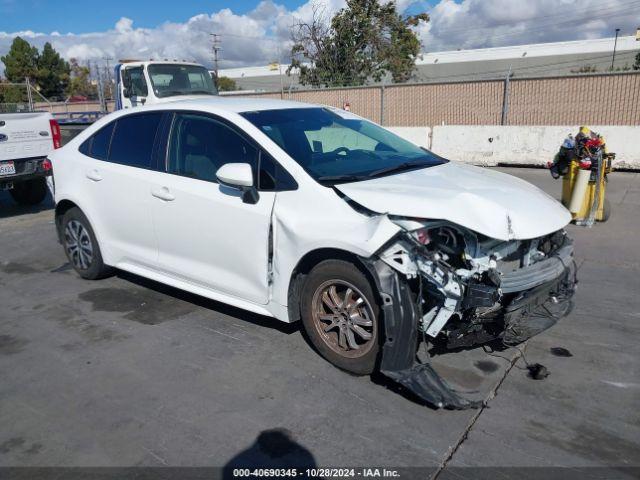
(526, 315)
(398, 361)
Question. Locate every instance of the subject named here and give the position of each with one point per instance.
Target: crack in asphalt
(485, 403)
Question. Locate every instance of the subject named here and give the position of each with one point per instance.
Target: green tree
(21, 61)
(636, 65)
(53, 73)
(80, 81)
(226, 84)
(364, 41)
(10, 94)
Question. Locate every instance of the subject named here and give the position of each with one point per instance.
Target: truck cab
(150, 82)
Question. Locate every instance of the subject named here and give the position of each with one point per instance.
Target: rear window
(133, 139)
(101, 142)
(97, 146)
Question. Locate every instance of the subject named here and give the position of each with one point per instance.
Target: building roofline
(597, 45)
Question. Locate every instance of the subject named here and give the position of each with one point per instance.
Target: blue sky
(258, 32)
(90, 15)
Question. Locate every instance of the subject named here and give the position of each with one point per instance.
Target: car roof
(231, 104)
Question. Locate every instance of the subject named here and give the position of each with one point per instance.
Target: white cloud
(493, 23)
(256, 38)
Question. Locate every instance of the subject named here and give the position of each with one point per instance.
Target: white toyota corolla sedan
(304, 212)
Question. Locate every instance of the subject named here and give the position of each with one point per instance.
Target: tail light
(46, 165)
(55, 133)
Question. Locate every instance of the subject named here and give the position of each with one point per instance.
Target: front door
(207, 235)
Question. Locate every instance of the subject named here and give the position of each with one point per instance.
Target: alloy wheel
(78, 244)
(343, 317)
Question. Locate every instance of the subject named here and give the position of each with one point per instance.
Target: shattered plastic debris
(538, 371)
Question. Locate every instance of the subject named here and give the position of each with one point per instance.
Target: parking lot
(127, 372)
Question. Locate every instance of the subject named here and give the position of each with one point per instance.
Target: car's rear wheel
(81, 246)
(341, 316)
(29, 192)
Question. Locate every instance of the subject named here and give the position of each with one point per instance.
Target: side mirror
(239, 175)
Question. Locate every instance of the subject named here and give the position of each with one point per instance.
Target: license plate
(7, 168)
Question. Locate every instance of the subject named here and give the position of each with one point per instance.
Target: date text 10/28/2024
(316, 472)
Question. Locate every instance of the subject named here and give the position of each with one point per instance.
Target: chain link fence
(597, 99)
(15, 98)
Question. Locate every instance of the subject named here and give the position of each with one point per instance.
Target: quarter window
(97, 146)
(272, 177)
(133, 139)
(200, 145)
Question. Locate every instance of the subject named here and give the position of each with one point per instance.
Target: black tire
(86, 257)
(30, 192)
(353, 317)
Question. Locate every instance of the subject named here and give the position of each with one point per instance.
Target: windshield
(168, 80)
(337, 147)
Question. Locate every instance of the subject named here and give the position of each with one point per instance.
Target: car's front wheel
(81, 246)
(341, 316)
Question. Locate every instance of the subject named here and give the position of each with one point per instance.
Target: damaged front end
(460, 289)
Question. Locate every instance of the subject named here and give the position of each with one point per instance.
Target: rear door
(118, 182)
(206, 234)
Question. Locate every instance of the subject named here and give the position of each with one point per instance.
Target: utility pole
(216, 48)
(27, 81)
(505, 98)
(109, 78)
(615, 45)
(280, 73)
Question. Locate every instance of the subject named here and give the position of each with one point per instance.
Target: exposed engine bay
(467, 289)
(472, 289)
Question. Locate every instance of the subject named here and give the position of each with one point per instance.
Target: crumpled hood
(494, 204)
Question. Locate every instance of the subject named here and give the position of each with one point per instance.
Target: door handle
(94, 175)
(163, 194)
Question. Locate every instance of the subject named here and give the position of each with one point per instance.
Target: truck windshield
(334, 146)
(168, 80)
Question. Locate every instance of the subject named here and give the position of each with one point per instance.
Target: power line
(565, 23)
(575, 17)
(576, 63)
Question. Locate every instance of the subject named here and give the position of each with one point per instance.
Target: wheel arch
(308, 261)
(62, 207)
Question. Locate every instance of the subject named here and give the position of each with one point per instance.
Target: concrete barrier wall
(493, 145)
(418, 135)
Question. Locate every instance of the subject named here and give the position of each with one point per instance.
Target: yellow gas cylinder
(582, 208)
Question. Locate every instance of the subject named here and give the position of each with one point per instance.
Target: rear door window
(133, 139)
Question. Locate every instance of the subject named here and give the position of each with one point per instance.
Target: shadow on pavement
(203, 302)
(9, 208)
(273, 449)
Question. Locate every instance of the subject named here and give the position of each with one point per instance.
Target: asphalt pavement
(128, 372)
